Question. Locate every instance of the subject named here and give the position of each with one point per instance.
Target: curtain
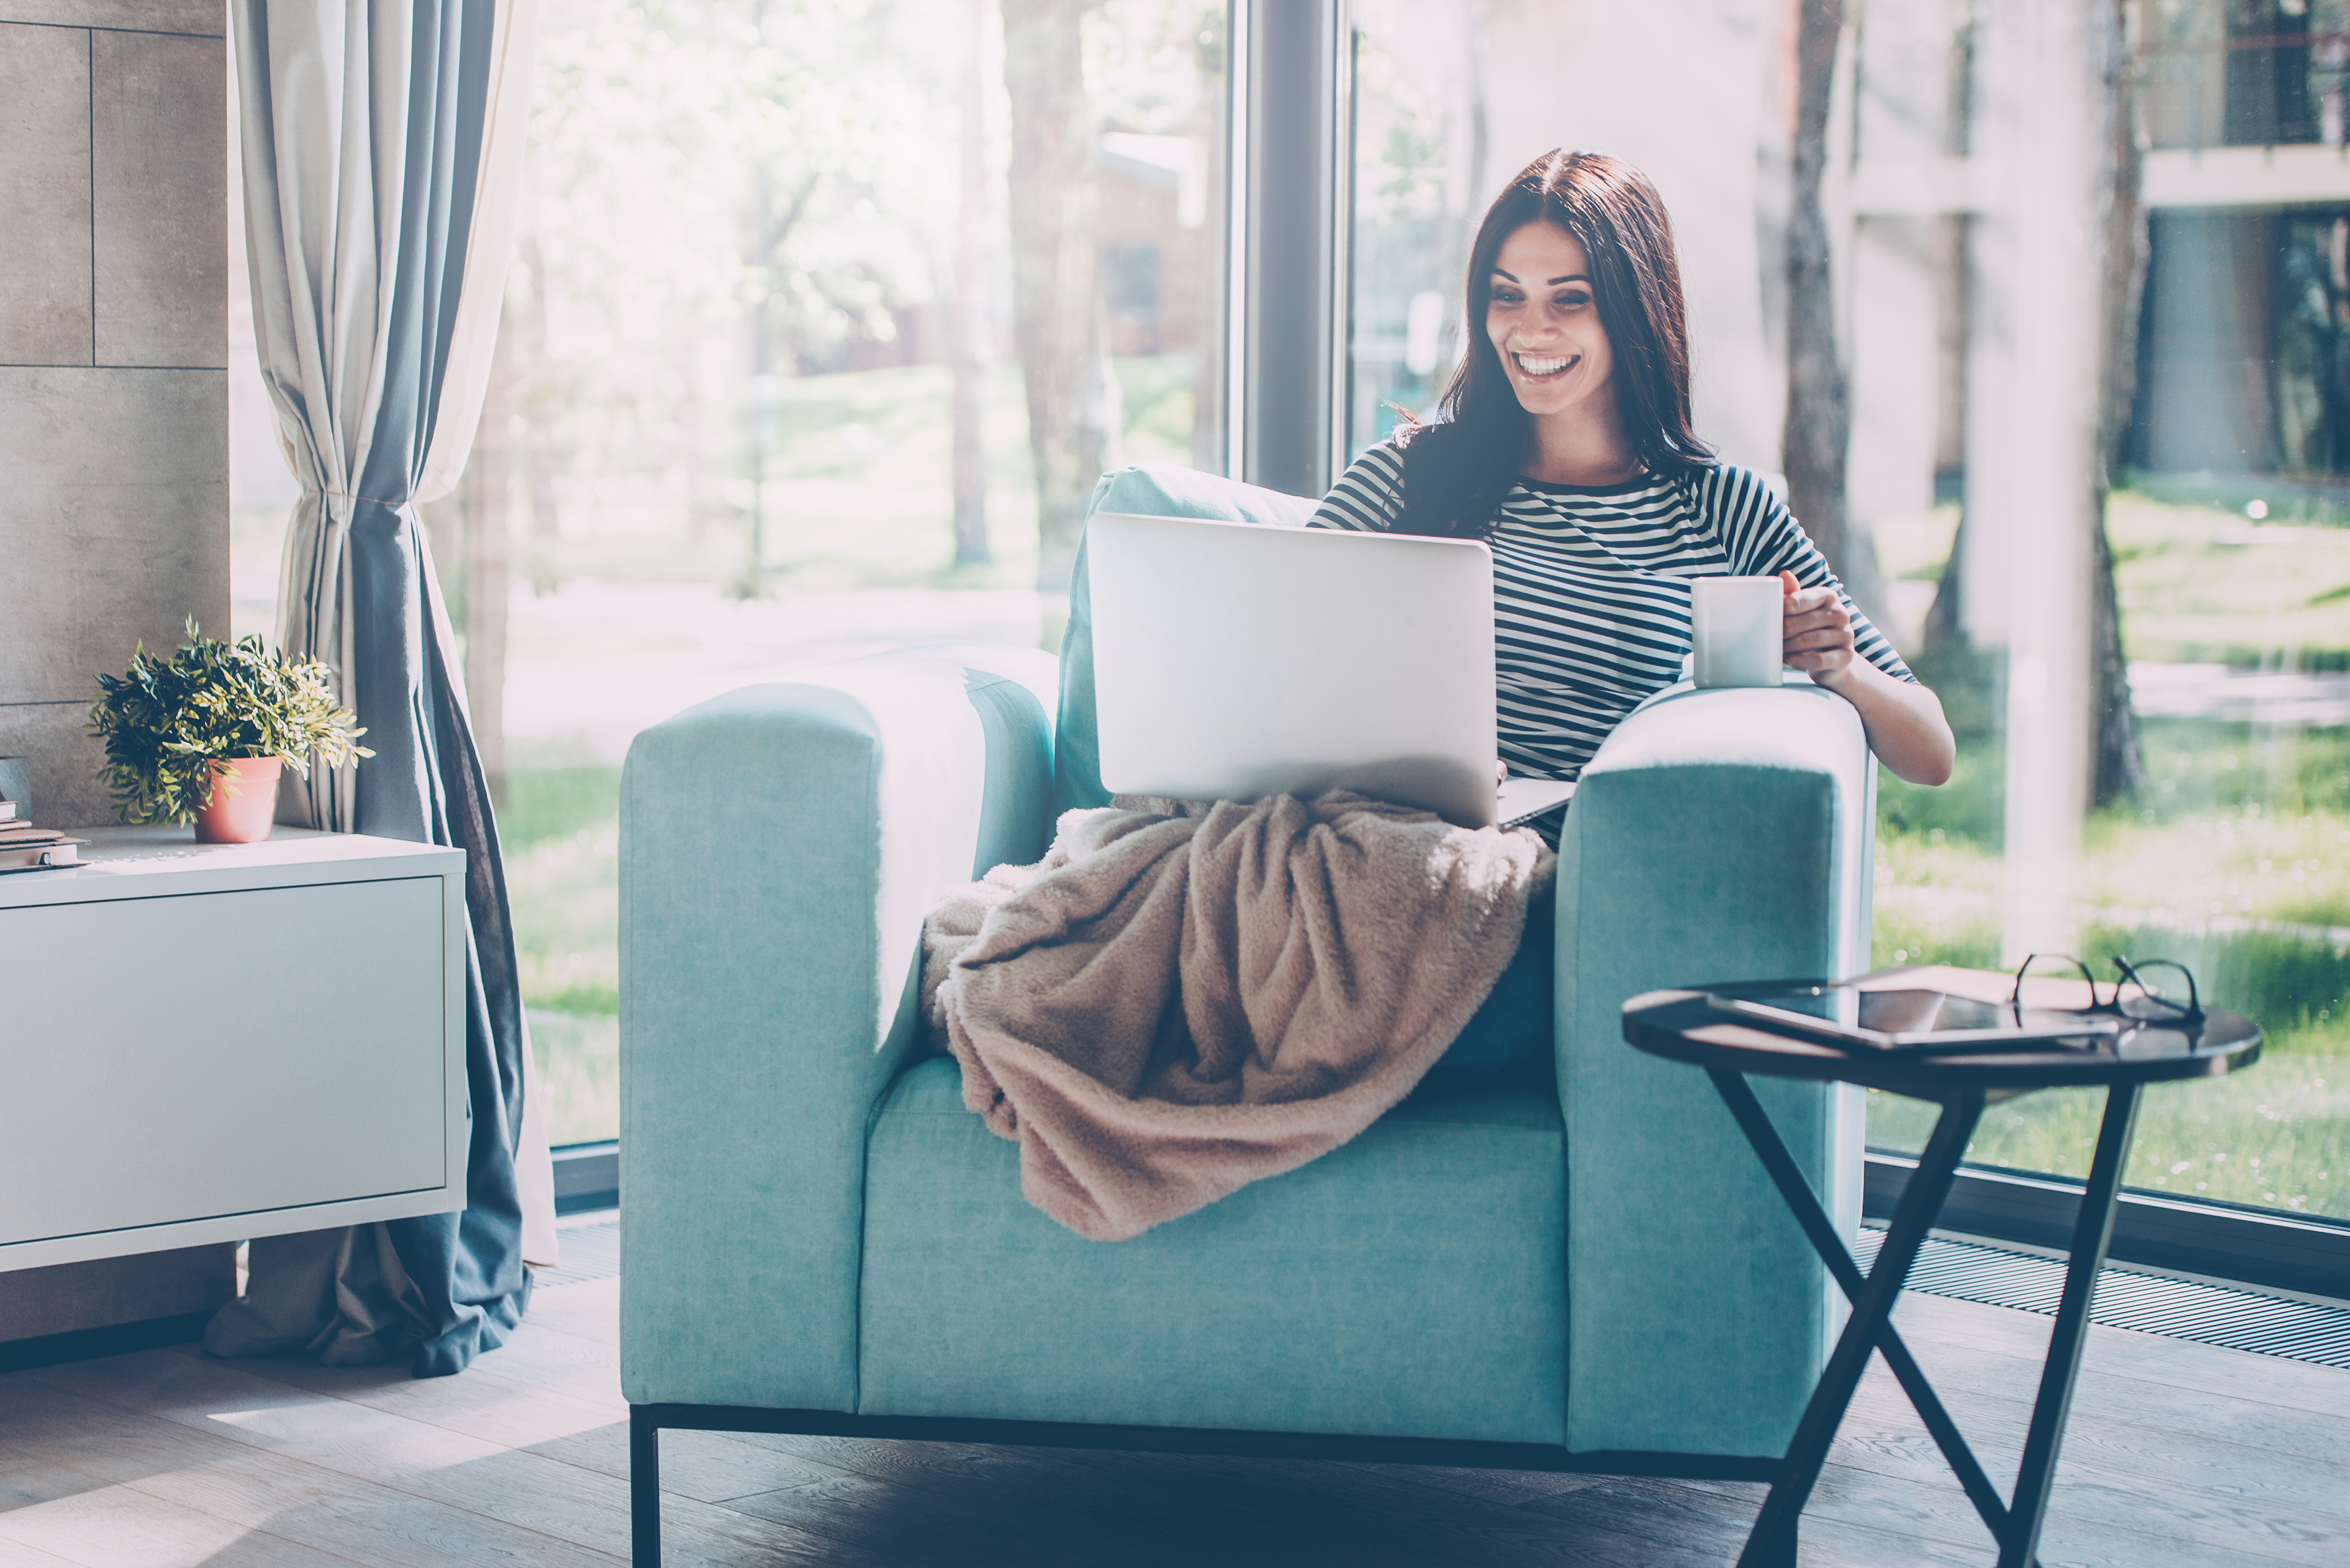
(382, 143)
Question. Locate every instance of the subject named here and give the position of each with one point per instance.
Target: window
(766, 391)
(766, 401)
(2229, 848)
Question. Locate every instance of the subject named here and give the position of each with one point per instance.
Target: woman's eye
(1507, 296)
(1573, 298)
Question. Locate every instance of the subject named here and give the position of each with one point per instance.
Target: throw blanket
(1181, 998)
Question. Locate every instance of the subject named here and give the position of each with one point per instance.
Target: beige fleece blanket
(1181, 998)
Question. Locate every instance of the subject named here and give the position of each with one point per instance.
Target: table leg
(2092, 1234)
(1830, 1244)
(1772, 1542)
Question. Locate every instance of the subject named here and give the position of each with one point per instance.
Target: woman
(1564, 444)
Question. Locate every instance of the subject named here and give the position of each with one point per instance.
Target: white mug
(1737, 632)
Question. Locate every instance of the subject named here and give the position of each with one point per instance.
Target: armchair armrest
(779, 848)
(1717, 835)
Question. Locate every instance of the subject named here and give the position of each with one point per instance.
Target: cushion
(1150, 489)
(1412, 1283)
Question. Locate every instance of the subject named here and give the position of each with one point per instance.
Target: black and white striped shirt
(1591, 596)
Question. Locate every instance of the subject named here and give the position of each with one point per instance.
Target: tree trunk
(753, 583)
(1058, 318)
(1819, 410)
(967, 313)
(1946, 625)
(2117, 769)
(1210, 378)
(487, 549)
(528, 326)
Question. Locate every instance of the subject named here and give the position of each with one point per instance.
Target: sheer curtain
(382, 146)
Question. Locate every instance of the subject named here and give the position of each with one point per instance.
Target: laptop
(1234, 660)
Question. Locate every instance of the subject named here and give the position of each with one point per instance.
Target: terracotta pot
(243, 817)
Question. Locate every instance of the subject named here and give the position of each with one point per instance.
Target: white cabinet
(203, 1043)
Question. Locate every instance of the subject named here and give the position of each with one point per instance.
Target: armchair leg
(644, 1489)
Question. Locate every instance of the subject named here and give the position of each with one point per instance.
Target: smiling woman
(1564, 443)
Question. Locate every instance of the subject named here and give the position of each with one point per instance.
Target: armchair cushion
(1412, 1283)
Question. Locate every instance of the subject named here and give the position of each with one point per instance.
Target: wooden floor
(2179, 1454)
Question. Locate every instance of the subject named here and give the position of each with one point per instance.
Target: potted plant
(205, 734)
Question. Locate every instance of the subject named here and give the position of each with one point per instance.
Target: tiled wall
(113, 355)
(114, 441)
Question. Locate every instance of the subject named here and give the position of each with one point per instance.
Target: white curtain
(382, 147)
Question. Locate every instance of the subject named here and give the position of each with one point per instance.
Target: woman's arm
(1904, 720)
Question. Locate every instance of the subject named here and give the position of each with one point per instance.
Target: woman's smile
(1543, 367)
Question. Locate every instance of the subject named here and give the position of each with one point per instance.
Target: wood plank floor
(2179, 1454)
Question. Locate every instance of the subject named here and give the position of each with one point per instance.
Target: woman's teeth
(1545, 365)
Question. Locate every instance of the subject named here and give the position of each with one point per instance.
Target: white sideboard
(208, 1042)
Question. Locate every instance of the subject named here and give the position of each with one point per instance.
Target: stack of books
(24, 847)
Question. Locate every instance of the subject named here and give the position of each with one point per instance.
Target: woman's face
(1544, 323)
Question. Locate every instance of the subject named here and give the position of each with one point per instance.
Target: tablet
(1911, 1020)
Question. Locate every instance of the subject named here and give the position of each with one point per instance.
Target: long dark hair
(1458, 467)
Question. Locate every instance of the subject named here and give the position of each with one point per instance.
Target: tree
(1058, 317)
(967, 297)
(2117, 769)
(488, 547)
(1818, 431)
(726, 193)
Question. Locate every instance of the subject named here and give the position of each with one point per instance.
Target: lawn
(559, 828)
(2235, 861)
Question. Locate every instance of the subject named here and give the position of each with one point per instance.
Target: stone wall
(113, 355)
(113, 441)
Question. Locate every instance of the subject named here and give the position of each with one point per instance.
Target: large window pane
(2228, 844)
(803, 300)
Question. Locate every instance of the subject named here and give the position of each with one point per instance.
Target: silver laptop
(1234, 660)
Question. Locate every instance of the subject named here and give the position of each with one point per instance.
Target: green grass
(2202, 586)
(558, 823)
(2199, 583)
(2242, 827)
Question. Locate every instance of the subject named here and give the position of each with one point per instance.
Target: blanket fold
(1182, 998)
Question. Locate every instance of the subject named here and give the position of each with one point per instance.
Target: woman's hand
(1904, 721)
(1817, 635)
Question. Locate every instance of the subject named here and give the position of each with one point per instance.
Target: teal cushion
(1151, 490)
(1409, 1283)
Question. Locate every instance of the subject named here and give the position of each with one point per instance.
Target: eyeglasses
(2152, 1004)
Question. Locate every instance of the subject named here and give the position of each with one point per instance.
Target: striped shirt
(1591, 595)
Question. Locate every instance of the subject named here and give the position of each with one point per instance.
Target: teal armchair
(1579, 1268)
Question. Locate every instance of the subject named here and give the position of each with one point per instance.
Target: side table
(208, 1042)
(1680, 1025)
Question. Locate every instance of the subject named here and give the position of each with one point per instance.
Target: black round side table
(1680, 1025)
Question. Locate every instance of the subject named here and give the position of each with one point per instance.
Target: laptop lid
(1234, 660)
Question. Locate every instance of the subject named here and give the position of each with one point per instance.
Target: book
(12, 833)
(42, 857)
(7, 810)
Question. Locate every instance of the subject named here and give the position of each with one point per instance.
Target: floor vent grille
(2150, 1304)
(1965, 1270)
(591, 1252)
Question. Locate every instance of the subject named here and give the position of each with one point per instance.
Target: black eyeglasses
(2152, 1004)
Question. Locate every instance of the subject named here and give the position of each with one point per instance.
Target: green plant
(169, 723)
